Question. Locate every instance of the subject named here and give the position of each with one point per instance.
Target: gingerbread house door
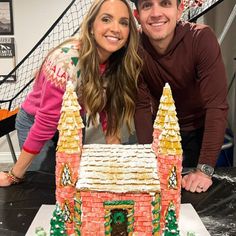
(119, 222)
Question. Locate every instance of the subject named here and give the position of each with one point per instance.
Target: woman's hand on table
(4, 179)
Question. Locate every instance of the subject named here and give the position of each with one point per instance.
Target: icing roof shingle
(118, 168)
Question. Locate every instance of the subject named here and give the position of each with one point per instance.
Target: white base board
(189, 221)
(6, 157)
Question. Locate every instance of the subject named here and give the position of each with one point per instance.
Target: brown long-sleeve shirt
(193, 66)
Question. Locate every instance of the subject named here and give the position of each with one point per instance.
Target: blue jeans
(45, 160)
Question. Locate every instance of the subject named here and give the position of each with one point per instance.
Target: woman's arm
(17, 172)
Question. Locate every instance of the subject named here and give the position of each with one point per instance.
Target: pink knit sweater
(45, 99)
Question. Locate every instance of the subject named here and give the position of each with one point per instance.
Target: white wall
(32, 18)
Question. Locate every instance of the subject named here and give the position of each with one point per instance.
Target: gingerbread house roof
(118, 168)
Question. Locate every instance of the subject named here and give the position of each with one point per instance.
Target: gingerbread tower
(67, 161)
(169, 154)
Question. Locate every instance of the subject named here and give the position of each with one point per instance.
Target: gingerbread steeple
(169, 152)
(68, 156)
(167, 105)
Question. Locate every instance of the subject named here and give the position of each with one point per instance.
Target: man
(188, 57)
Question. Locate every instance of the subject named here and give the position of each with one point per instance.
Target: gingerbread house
(116, 189)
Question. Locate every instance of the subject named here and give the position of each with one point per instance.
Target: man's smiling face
(158, 19)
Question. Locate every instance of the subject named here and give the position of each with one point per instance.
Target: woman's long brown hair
(121, 75)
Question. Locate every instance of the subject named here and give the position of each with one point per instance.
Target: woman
(103, 65)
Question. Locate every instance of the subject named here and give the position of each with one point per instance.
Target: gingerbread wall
(94, 212)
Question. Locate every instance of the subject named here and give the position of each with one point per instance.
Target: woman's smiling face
(111, 28)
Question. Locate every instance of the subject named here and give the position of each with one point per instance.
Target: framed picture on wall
(7, 59)
(6, 17)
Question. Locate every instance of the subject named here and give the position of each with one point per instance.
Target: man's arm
(213, 88)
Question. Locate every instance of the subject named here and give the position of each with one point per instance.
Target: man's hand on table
(196, 182)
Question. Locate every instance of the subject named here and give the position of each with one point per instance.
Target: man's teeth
(158, 24)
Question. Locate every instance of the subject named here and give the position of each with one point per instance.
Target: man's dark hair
(136, 2)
